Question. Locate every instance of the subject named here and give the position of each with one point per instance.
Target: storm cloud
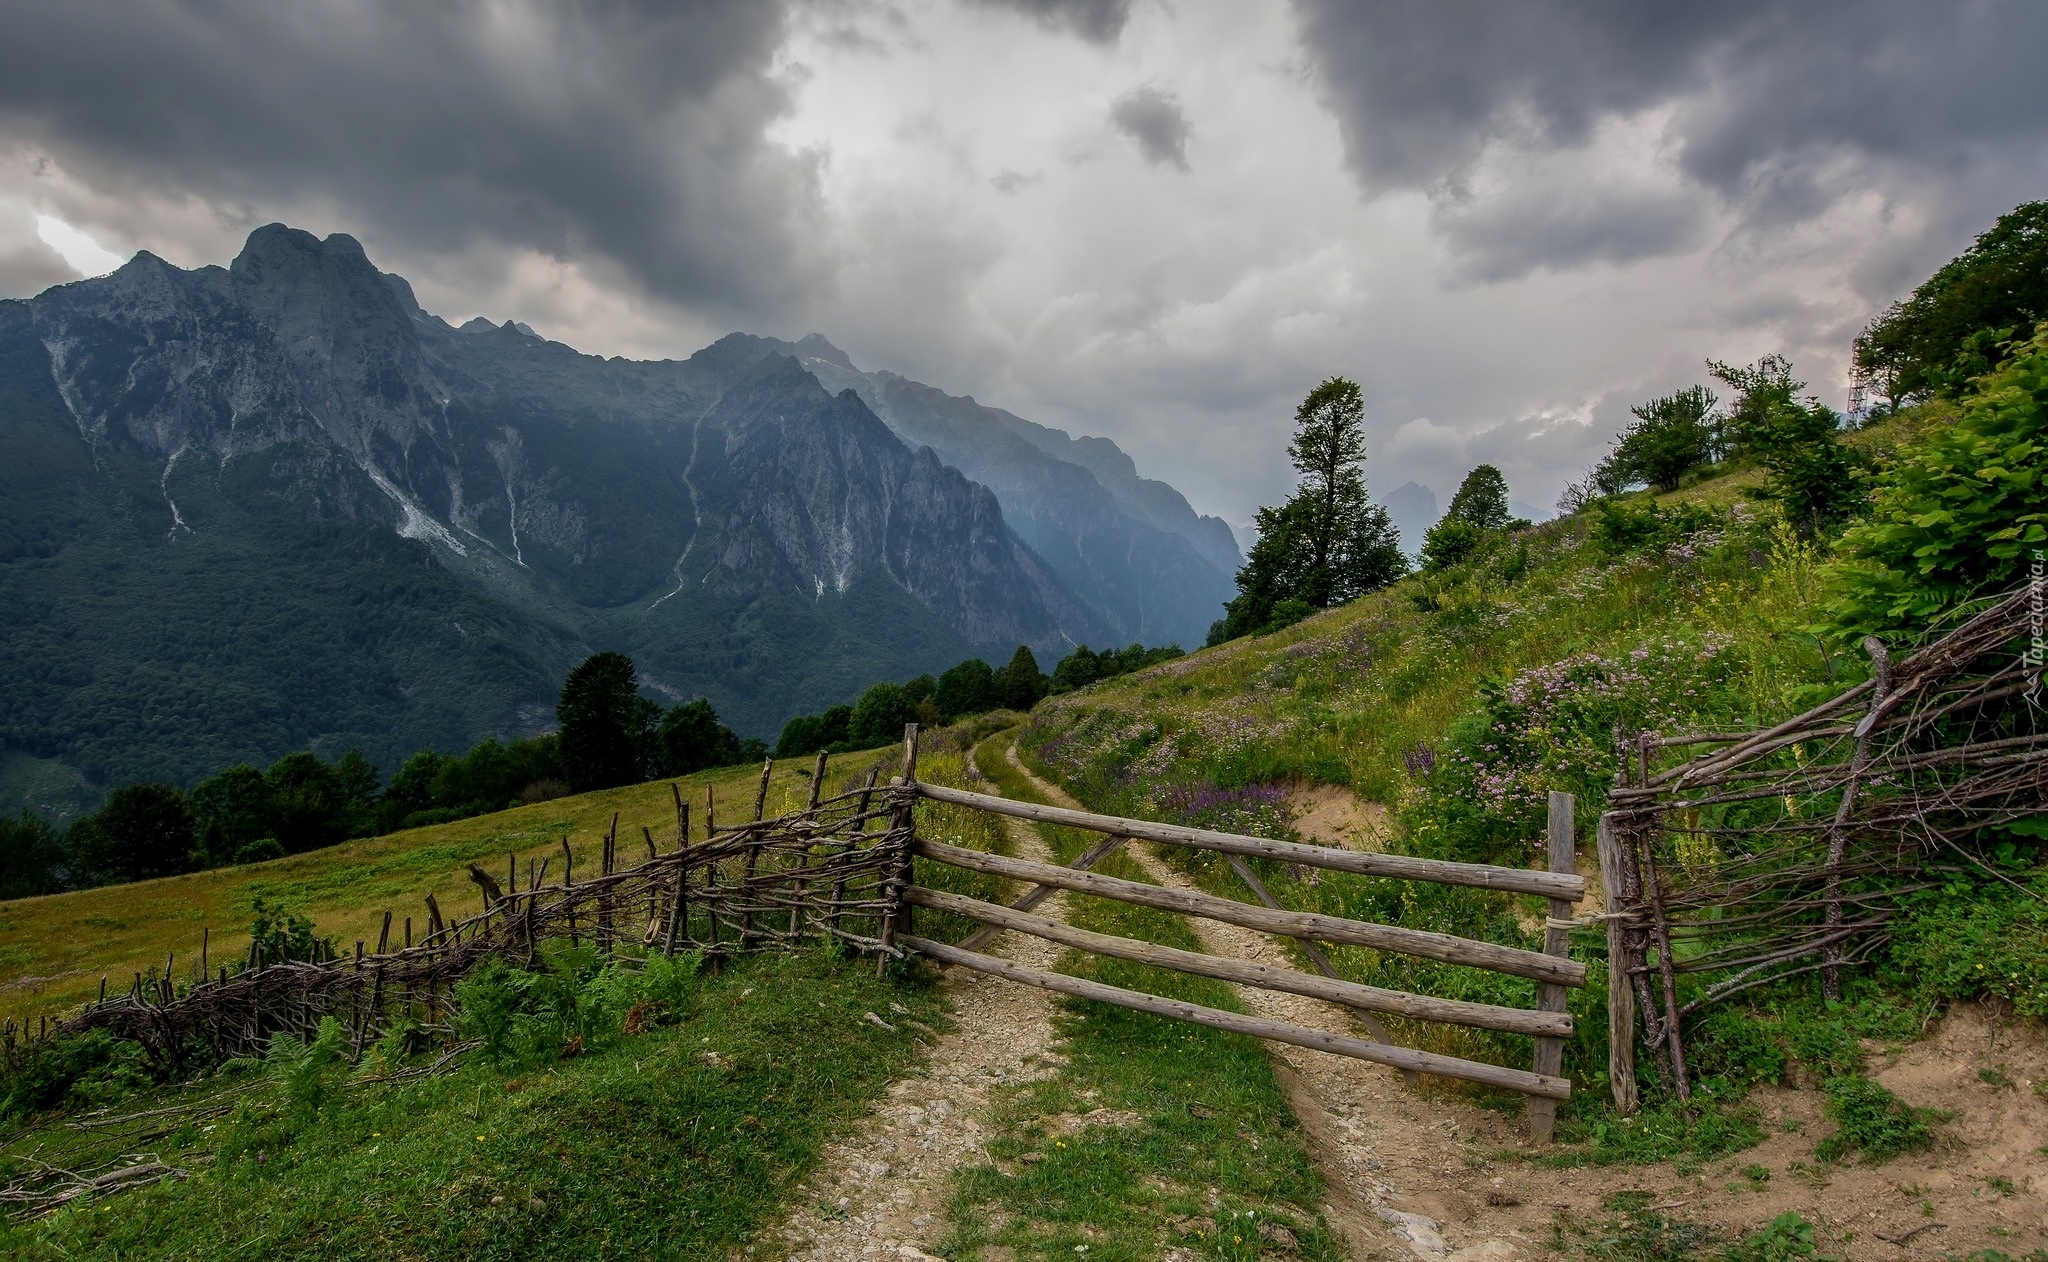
(1153, 119)
(1779, 112)
(1099, 21)
(632, 132)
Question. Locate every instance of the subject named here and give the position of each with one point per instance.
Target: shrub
(1967, 942)
(1817, 479)
(92, 1068)
(1788, 1238)
(284, 935)
(1872, 1121)
(308, 1070)
(1958, 515)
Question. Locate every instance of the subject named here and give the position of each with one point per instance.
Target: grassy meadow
(54, 949)
(679, 1140)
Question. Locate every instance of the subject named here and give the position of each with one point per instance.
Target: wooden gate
(1548, 1023)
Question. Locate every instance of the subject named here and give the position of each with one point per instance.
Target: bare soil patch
(1335, 816)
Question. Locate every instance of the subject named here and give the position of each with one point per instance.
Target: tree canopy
(1957, 325)
(1328, 543)
(600, 738)
(1672, 436)
(1478, 511)
(1798, 443)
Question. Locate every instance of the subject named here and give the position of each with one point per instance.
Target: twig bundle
(1786, 851)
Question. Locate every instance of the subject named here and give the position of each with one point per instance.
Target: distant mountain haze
(250, 509)
(1157, 570)
(1413, 508)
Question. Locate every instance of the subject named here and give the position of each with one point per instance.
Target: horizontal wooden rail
(1246, 972)
(1258, 1027)
(1565, 885)
(1039, 893)
(1294, 924)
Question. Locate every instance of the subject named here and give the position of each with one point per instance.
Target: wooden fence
(1785, 852)
(842, 870)
(1549, 1023)
(831, 871)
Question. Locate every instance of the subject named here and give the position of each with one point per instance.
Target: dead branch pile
(1785, 852)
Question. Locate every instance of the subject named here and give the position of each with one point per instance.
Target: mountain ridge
(382, 529)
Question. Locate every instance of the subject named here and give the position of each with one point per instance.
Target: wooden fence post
(1550, 997)
(1621, 994)
(898, 921)
(761, 795)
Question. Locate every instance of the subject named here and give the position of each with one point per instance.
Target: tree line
(971, 687)
(608, 735)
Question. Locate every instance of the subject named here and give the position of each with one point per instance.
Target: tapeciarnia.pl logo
(2037, 647)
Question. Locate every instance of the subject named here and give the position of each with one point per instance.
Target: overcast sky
(1158, 220)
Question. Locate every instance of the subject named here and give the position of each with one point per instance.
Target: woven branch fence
(1787, 852)
(832, 872)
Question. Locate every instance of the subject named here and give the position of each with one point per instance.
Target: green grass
(1216, 1150)
(644, 1147)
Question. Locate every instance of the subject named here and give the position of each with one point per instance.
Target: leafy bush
(1872, 1121)
(1690, 1135)
(282, 934)
(1959, 515)
(1788, 1238)
(1967, 941)
(77, 1070)
(1808, 469)
(1638, 1233)
(1639, 524)
(570, 1001)
(1552, 727)
(486, 1002)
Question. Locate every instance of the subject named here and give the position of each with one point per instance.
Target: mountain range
(253, 509)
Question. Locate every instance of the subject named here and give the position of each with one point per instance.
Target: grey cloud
(1153, 119)
(1098, 21)
(633, 133)
(1010, 181)
(1565, 214)
(29, 268)
(1779, 110)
